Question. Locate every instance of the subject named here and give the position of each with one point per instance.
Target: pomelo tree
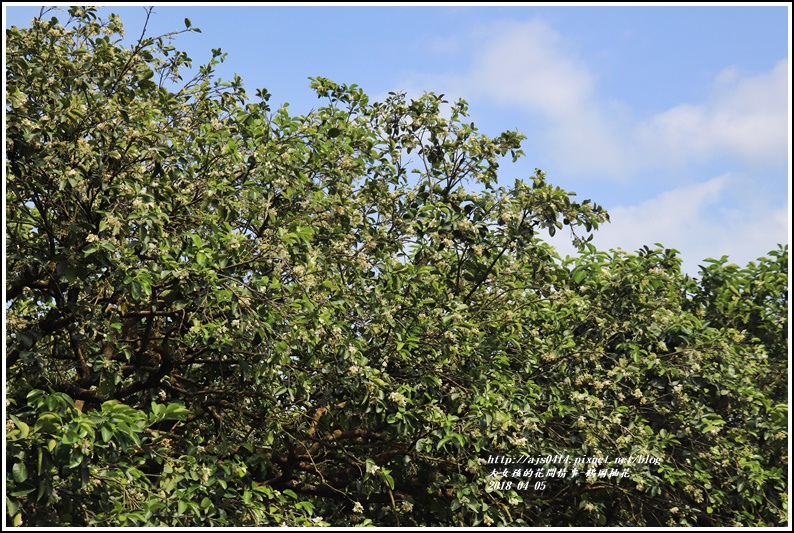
(220, 313)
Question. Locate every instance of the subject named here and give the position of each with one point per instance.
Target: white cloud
(530, 66)
(685, 218)
(591, 143)
(745, 116)
(526, 64)
(672, 218)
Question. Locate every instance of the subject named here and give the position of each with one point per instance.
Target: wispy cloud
(746, 116)
(526, 65)
(668, 218)
(529, 66)
(693, 220)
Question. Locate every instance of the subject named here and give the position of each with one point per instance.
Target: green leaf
(157, 411)
(49, 423)
(305, 505)
(107, 433)
(187, 23)
(12, 506)
(22, 492)
(76, 458)
(175, 411)
(20, 472)
(388, 478)
(136, 291)
(24, 429)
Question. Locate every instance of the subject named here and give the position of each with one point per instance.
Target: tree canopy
(220, 313)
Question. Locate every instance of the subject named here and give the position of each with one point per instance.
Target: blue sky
(675, 119)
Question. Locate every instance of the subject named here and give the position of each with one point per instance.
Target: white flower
(487, 520)
(354, 370)
(374, 469)
(92, 238)
(398, 398)
(407, 506)
(358, 508)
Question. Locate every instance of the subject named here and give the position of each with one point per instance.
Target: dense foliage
(223, 314)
